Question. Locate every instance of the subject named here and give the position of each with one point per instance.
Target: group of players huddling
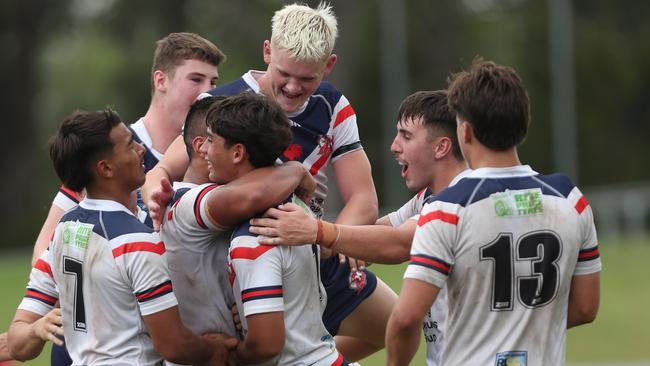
(233, 264)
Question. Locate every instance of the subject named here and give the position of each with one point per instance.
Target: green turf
(619, 334)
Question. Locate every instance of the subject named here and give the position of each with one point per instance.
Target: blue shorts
(345, 291)
(60, 356)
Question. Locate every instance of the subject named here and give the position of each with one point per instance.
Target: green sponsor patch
(301, 203)
(518, 203)
(77, 234)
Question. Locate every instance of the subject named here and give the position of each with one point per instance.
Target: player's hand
(220, 345)
(288, 224)
(235, 318)
(157, 202)
(355, 264)
(50, 326)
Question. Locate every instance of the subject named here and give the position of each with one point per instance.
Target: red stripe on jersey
(339, 361)
(438, 215)
(170, 214)
(140, 246)
(318, 164)
(70, 193)
(275, 292)
(420, 193)
(582, 204)
(589, 254)
(155, 292)
(41, 296)
(343, 115)
(250, 253)
(429, 262)
(197, 204)
(43, 266)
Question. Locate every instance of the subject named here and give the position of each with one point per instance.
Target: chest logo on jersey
(512, 358)
(76, 234)
(293, 152)
(325, 145)
(518, 203)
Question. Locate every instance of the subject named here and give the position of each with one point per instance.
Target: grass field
(619, 336)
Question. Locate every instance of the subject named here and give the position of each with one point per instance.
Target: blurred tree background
(86, 54)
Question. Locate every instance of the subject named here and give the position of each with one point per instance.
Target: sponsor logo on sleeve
(512, 358)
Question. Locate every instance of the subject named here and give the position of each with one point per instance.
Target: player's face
(414, 150)
(220, 162)
(291, 82)
(127, 158)
(187, 81)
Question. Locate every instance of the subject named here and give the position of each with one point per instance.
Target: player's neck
(163, 124)
(112, 193)
(196, 175)
(482, 157)
(446, 174)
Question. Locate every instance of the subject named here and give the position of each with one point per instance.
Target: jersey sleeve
(191, 211)
(258, 272)
(589, 256)
(42, 293)
(141, 258)
(345, 133)
(432, 252)
(407, 211)
(66, 199)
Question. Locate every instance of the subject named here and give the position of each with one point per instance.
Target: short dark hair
(436, 116)
(493, 99)
(82, 138)
(195, 124)
(175, 48)
(255, 121)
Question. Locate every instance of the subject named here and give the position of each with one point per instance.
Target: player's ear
(329, 64)
(104, 169)
(239, 153)
(266, 51)
(466, 132)
(442, 147)
(197, 142)
(159, 80)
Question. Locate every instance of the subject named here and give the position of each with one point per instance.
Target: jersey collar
(103, 205)
(508, 172)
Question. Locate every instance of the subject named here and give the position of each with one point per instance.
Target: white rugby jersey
(506, 242)
(107, 270)
(436, 318)
(66, 199)
(324, 130)
(275, 278)
(197, 254)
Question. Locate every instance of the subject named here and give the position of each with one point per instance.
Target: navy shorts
(60, 356)
(345, 291)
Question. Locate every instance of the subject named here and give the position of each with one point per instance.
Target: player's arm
(405, 323)
(4, 348)
(384, 220)
(43, 240)
(172, 167)
(584, 299)
(264, 340)
(178, 344)
(354, 178)
(291, 225)
(255, 192)
(29, 331)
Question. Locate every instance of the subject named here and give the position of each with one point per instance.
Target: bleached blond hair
(308, 34)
